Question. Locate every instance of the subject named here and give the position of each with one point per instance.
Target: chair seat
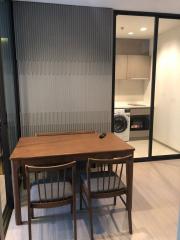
(46, 195)
(111, 182)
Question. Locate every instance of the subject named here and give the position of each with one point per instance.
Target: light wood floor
(142, 146)
(156, 204)
(2, 192)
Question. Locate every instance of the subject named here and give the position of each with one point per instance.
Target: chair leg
(24, 177)
(29, 223)
(71, 208)
(80, 197)
(114, 201)
(129, 208)
(90, 217)
(32, 212)
(130, 221)
(74, 218)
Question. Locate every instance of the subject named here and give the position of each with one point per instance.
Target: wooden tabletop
(58, 145)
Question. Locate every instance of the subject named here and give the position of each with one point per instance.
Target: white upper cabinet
(138, 67)
(133, 67)
(121, 67)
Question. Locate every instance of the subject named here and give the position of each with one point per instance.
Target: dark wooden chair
(104, 182)
(51, 134)
(45, 192)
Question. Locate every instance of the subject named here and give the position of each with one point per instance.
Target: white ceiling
(134, 23)
(169, 6)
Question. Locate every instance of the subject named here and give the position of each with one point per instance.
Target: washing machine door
(120, 123)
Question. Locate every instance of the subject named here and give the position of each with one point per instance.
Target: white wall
(168, 6)
(167, 97)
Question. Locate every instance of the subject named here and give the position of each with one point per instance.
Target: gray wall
(64, 56)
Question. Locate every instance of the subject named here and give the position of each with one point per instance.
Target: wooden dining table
(57, 149)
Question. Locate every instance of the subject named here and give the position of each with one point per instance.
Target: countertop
(130, 105)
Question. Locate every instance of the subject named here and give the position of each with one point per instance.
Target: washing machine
(122, 123)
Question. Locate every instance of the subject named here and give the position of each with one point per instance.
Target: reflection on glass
(134, 48)
(4, 40)
(166, 137)
(7, 81)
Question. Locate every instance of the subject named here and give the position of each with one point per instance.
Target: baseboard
(173, 149)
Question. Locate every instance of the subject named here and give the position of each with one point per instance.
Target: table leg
(16, 191)
(129, 179)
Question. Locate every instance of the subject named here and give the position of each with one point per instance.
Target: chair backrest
(108, 172)
(62, 133)
(40, 176)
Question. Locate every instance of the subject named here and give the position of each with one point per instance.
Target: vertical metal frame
(113, 71)
(153, 85)
(157, 16)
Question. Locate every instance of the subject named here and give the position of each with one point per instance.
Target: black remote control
(102, 135)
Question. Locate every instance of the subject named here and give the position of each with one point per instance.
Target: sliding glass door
(133, 78)
(147, 83)
(166, 127)
(9, 123)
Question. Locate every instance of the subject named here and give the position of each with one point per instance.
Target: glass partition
(8, 110)
(166, 129)
(133, 67)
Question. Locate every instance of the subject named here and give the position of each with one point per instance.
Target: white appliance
(122, 123)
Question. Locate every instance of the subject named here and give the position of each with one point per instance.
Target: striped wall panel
(64, 56)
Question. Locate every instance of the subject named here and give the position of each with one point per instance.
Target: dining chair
(105, 182)
(45, 192)
(51, 134)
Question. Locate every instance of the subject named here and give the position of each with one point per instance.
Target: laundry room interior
(133, 84)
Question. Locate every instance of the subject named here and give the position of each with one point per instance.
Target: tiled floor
(156, 203)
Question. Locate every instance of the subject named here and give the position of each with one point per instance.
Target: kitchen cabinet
(132, 67)
(121, 67)
(138, 67)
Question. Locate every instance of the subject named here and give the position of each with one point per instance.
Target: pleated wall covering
(64, 56)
